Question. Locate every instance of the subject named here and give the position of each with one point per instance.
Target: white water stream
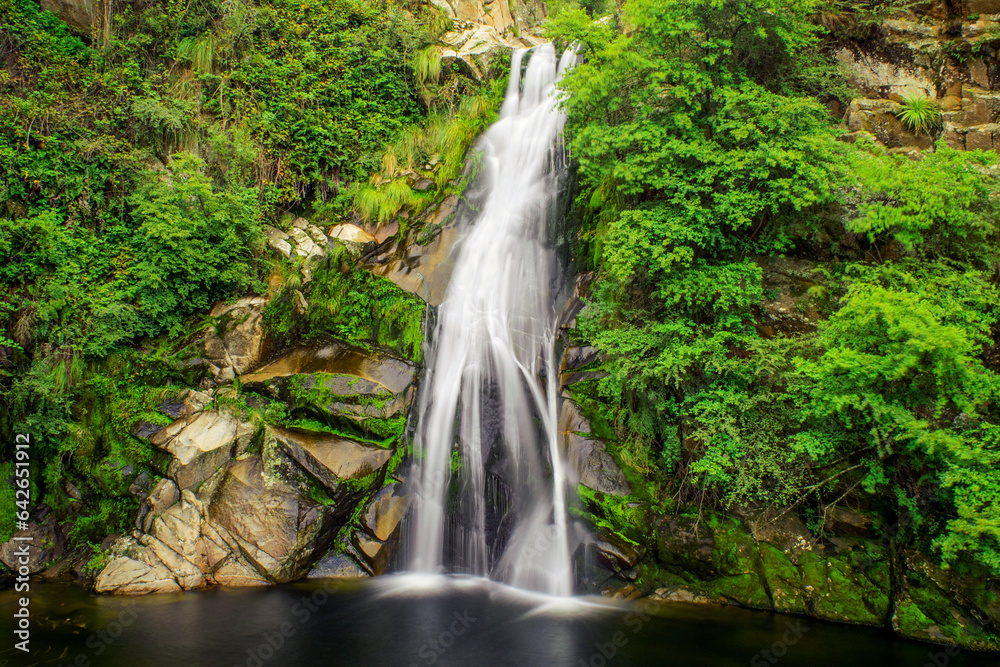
(490, 398)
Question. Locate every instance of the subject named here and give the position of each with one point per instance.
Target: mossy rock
(737, 559)
(933, 606)
(746, 590)
(786, 581)
(857, 589)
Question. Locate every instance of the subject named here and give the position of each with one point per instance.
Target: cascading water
(489, 404)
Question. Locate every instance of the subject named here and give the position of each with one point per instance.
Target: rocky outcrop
(476, 48)
(422, 261)
(246, 529)
(329, 459)
(244, 502)
(301, 240)
(942, 51)
(769, 559)
(587, 456)
(236, 341)
(201, 444)
(368, 548)
(372, 371)
(80, 14)
(485, 30)
(277, 529)
(343, 386)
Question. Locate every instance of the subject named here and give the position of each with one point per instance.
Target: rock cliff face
(944, 51)
(485, 28)
(246, 503)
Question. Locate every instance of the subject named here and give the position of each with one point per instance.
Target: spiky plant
(919, 114)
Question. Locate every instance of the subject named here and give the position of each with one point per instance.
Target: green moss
(785, 580)
(927, 612)
(745, 589)
(621, 515)
(354, 414)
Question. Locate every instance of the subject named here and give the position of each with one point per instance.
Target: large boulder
(246, 527)
(330, 459)
(346, 387)
(201, 444)
(588, 459)
(334, 358)
(277, 530)
(384, 513)
(236, 341)
(422, 264)
(182, 549)
(356, 240)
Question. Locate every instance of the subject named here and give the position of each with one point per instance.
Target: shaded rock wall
(943, 51)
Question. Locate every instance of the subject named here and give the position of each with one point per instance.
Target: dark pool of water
(410, 622)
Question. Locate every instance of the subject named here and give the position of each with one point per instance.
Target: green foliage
(702, 150)
(896, 382)
(853, 19)
(353, 305)
(7, 490)
(919, 114)
(941, 205)
(901, 358)
(690, 160)
(197, 244)
(973, 476)
(435, 151)
(135, 170)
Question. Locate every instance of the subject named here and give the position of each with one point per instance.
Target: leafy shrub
(942, 205)
(196, 245)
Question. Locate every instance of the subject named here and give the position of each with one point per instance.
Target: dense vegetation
(706, 161)
(138, 164)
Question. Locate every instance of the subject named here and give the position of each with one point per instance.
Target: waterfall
(491, 496)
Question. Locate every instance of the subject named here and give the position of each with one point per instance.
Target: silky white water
(491, 496)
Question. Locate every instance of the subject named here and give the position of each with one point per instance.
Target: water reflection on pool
(411, 621)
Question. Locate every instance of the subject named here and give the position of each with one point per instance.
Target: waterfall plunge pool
(417, 620)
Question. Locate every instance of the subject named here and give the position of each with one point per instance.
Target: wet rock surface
(200, 445)
(423, 260)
